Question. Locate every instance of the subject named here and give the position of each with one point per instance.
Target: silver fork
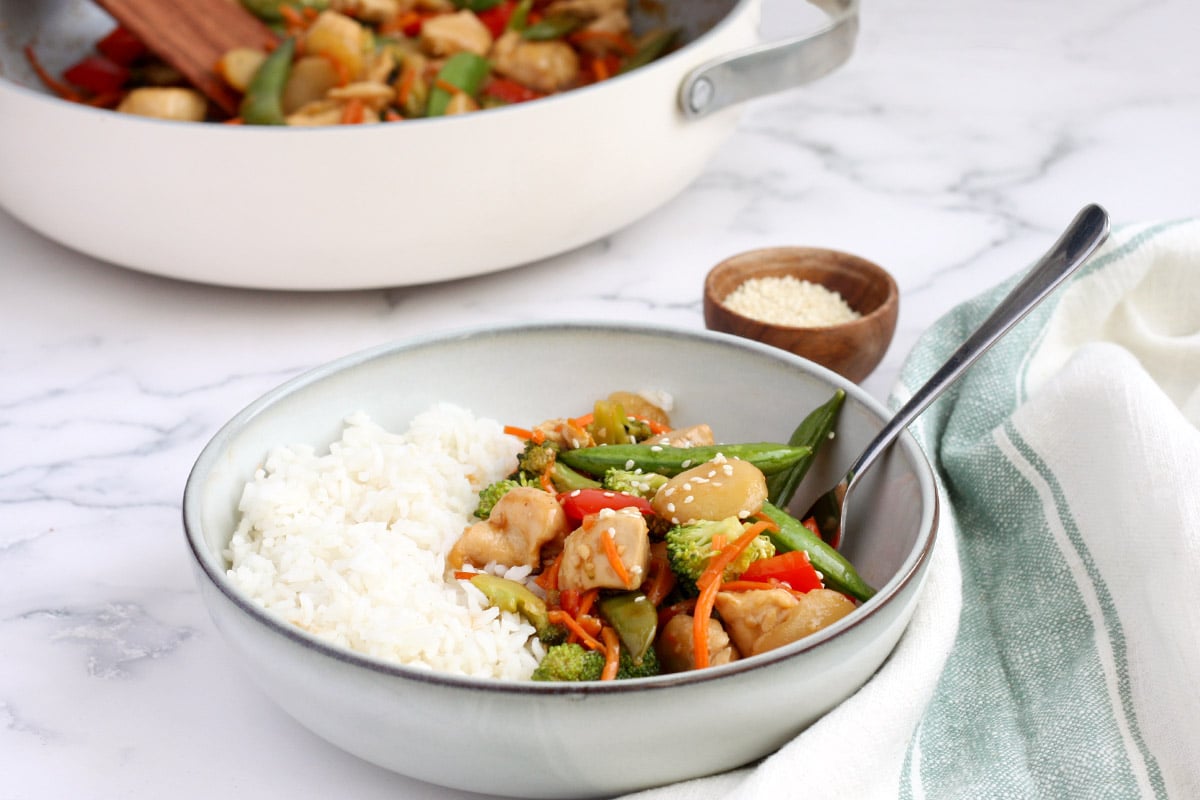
(1086, 232)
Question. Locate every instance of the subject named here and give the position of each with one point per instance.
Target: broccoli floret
(553, 633)
(628, 669)
(642, 484)
(570, 662)
(537, 458)
(492, 493)
(689, 549)
(574, 662)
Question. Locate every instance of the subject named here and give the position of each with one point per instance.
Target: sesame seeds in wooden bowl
(833, 308)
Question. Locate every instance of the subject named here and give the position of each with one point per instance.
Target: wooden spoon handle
(191, 35)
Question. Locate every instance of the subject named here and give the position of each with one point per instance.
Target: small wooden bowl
(852, 349)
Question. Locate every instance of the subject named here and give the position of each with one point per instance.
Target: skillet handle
(772, 67)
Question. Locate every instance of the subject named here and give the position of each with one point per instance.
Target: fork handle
(1086, 232)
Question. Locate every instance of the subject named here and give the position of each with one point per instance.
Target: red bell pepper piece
(120, 46)
(579, 503)
(510, 91)
(792, 568)
(496, 18)
(97, 75)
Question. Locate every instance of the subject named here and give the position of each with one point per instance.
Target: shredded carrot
(612, 40)
(586, 601)
(293, 20)
(700, 618)
(354, 112)
(391, 115)
(339, 68)
(538, 436)
(235, 121)
(399, 23)
(590, 624)
(520, 433)
(600, 70)
(546, 483)
(563, 618)
(548, 580)
(614, 558)
(660, 583)
(584, 421)
(58, 87)
(719, 541)
(654, 425)
(447, 86)
(612, 654)
(463, 575)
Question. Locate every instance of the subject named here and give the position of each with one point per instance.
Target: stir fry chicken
(588, 561)
(521, 523)
(544, 66)
(649, 558)
(448, 34)
(676, 644)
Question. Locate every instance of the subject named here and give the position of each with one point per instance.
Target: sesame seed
(687, 462)
(629, 464)
(670, 508)
(657, 448)
(688, 499)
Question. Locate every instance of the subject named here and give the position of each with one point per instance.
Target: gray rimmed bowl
(556, 740)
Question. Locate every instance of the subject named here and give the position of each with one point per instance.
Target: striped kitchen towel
(1056, 650)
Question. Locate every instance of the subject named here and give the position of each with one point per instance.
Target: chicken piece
(565, 432)
(521, 522)
(182, 105)
(676, 645)
(460, 103)
(586, 565)
(814, 610)
(748, 615)
(340, 39)
(687, 437)
(543, 66)
(447, 34)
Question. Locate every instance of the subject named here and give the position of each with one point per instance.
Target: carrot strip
(463, 575)
(339, 69)
(58, 87)
(590, 624)
(612, 654)
(613, 40)
(447, 86)
(548, 580)
(660, 583)
(655, 426)
(563, 618)
(702, 614)
(750, 586)
(599, 70)
(719, 541)
(234, 121)
(546, 483)
(392, 116)
(584, 421)
(614, 558)
(586, 601)
(520, 433)
(354, 112)
(538, 436)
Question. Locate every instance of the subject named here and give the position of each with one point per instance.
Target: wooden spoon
(191, 35)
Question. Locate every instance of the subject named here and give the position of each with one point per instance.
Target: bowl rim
(886, 307)
(736, 9)
(910, 569)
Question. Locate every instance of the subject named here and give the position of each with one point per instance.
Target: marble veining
(951, 149)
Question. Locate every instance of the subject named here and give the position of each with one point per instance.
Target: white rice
(350, 545)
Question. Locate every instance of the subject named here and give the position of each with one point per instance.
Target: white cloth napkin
(1056, 649)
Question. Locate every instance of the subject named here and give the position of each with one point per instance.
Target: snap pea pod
(812, 432)
(263, 102)
(465, 71)
(476, 5)
(550, 28)
(635, 619)
(839, 574)
(770, 457)
(519, 20)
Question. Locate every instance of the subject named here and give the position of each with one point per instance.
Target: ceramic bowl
(852, 349)
(558, 740)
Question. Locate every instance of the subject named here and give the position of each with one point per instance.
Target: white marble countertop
(951, 149)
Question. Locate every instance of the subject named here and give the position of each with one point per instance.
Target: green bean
(770, 457)
(838, 573)
(813, 431)
(263, 101)
(551, 28)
